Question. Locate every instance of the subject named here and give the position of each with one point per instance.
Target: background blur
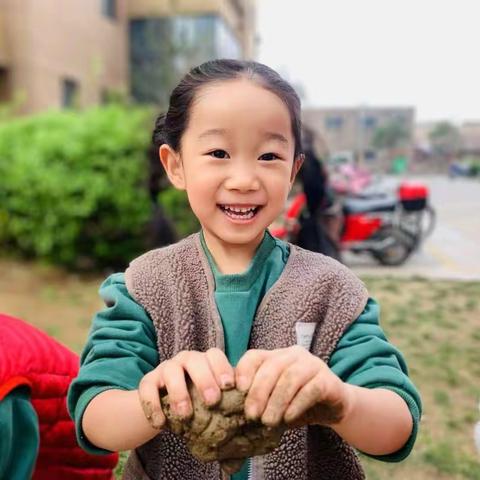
(389, 89)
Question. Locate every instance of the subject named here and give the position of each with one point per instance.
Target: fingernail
(269, 419)
(211, 396)
(251, 411)
(242, 383)
(147, 409)
(183, 409)
(157, 420)
(290, 416)
(226, 381)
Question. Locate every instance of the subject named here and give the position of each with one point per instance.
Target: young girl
(232, 305)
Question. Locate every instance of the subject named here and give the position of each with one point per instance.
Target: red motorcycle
(388, 227)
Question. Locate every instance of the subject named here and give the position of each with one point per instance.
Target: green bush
(72, 185)
(475, 167)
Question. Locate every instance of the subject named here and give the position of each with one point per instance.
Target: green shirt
(19, 437)
(238, 296)
(121, 347)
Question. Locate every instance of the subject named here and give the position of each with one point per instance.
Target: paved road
(453, 250)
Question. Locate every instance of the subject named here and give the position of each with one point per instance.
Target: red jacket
(30, 357)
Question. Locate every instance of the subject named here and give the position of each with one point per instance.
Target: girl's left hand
(292, 385)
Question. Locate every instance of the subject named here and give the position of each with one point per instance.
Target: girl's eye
(269, 156)
(219, 154)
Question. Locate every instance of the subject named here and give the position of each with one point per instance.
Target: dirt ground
(62, 304)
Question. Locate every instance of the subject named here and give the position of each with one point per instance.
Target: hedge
(73, 185)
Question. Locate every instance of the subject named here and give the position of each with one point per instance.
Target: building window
(226, 44)
(369, 122)
(109, 8)
(162, 49)
(398, 118)
(105, 96)
(334, 123)
(69, 93)
(4, 85)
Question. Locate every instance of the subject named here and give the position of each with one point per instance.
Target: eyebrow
(213, 132)
(221, 131)
(275, 136)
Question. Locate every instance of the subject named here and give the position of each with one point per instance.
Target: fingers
(176, 385)
(323, 401)
(262, 386)
(281, 384)
(291, 380)
(261, 370)
(197, 366)
(284, 381)
(307, 397)
(247, 368)
(149, 397)
(221, 368)
(208, 371)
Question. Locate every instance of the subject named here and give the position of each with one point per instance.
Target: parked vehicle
(390, 227)
(464, 169)
(349, 179)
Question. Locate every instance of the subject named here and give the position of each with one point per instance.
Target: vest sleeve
(121, 348)
(365, 358)
(19, 438)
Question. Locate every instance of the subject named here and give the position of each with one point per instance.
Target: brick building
(350, 131)
(57, 53)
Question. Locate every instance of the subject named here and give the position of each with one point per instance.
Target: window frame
(70, 92)
(109, 9)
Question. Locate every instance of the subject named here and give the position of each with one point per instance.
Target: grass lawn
(435, 324)
(437, 327)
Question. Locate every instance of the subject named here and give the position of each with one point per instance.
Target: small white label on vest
(305, 331)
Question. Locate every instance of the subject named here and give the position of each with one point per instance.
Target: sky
(420, 53)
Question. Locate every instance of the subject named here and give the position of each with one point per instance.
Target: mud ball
(221, 432)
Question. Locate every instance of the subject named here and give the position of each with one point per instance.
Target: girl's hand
(209, 371)
(292, 385)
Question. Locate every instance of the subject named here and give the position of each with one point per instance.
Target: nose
(242, 177)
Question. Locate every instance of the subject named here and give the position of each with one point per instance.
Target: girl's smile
(240, 214)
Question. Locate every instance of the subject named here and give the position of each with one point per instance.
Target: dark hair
(170, 126)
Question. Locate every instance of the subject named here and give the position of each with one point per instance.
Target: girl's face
(236, 161)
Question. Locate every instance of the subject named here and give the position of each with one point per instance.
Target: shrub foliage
(73, 185)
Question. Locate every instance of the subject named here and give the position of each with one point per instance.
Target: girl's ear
(297, 164)
(173, 166)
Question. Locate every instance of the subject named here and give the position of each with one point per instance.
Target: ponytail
(159, 135)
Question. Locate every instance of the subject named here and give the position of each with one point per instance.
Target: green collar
(241, 281)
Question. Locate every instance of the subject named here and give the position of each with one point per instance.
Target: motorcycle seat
(369, 205)
(370, 195)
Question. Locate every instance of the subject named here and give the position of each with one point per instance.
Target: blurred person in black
(319, 223)
(161, 230)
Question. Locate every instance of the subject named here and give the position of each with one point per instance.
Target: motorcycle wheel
(398, 251)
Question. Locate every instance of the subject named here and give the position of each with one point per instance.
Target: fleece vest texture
(175, 285)
(30, 358)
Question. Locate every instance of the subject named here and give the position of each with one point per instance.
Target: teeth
(240, 213)
(239, 210)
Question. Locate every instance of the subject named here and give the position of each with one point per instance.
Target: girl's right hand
(209, 371)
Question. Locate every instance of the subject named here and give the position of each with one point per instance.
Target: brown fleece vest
(176, 287)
